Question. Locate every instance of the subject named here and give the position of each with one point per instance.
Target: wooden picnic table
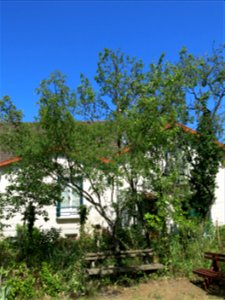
(213, 274)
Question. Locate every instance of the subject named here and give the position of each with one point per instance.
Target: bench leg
(206, 283)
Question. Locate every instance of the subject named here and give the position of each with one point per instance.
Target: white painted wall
(218, 209)
(70, 226)
(67, 225)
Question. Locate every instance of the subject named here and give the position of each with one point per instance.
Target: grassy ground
(165, 289)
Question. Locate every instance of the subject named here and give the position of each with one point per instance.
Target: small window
(71, 201)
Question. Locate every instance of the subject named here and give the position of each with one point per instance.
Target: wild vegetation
(128, 137)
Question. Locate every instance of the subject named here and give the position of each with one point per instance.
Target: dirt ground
(165, 289)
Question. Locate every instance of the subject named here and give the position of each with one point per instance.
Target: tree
(128, 145)
(28, 192)
(204, 85)
(205, 166)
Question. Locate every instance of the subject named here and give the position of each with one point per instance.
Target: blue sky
(38, 37)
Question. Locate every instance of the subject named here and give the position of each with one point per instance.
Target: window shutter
(58, 209)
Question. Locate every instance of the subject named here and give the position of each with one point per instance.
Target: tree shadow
(215, 289)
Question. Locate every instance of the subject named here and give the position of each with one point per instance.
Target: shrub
(76, 278)
(7, 253)
(182, 249)
(37, 249)
(21, 283)
(51, 282)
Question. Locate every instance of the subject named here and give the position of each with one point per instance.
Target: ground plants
(182, 249)
(22, 283)
(51, 282)
(54, 265)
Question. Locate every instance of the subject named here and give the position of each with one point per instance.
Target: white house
(66, 218)
(63, 216)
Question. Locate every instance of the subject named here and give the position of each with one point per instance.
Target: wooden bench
(95, 262)
(213, 274)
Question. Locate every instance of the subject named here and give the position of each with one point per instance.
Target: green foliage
(83, 213)
(139, 158)
(4, 287)
(77, 281)
(124, 155)
(205, 166)
(203, 78)
(4, 292)
(50, 281)
(7, 253)
(8, 112)
(119, 77)
(55, 265)
(29, 194)
(41, 248)
(22, 283)
(221, 236)
(182, 249)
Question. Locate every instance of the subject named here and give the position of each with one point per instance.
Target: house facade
(218, 208)
(65, 215)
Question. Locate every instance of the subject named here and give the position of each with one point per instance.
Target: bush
(182, 249)
(76, 278)
(21, 283)
(50, 265)
(7, 253)
(51, 282)
(37, 249)
(56, 264)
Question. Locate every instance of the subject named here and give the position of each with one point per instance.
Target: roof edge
(107, 160)
(7, 162)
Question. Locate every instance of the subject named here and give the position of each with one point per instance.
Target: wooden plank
(122, 254)
(218, 276)
(216, 256)
(104, 256)
(206, 273)
(116, 270)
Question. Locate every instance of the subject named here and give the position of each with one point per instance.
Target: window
(71, 201)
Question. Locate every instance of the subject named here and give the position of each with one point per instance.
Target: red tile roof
(11, 160)
(189, 130)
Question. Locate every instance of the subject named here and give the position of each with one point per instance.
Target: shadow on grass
(216, 289)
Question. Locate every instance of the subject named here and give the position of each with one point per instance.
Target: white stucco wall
(218, 209)
(67, 225)
(70, 226)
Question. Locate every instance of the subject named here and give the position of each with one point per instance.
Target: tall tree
(133, 152)
(205, 164)
(204, 86)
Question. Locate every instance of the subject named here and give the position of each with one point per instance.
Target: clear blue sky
(38, 37)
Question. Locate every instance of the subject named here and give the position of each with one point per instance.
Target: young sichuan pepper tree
(120, 156)
(92, 149)
(141, 108)
(157, 137)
